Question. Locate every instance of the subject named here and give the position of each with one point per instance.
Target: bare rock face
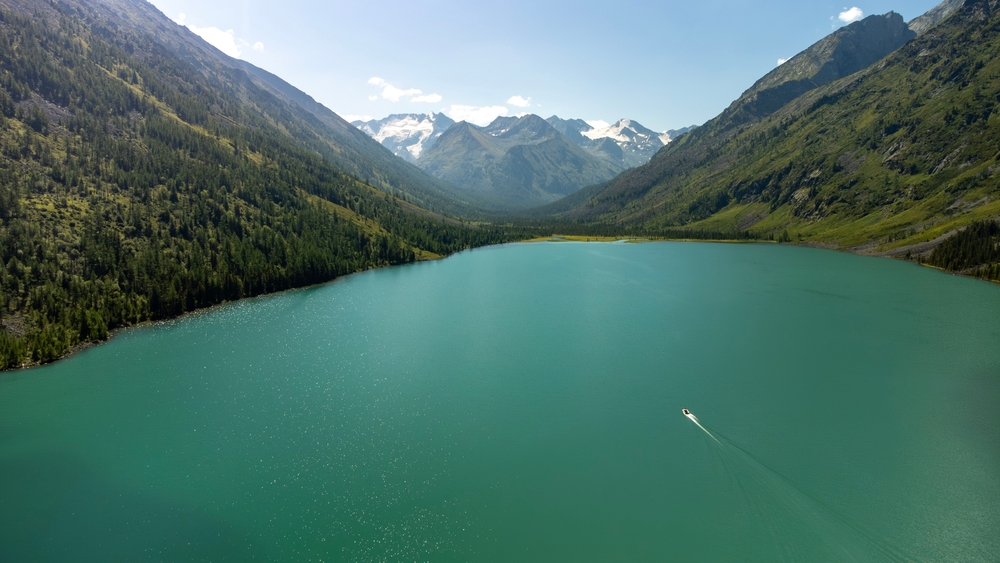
(934, 15)
(842, 53)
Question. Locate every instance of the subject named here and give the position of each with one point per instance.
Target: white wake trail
(841, 532)
(694, 419)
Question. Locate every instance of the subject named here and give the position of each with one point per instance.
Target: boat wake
(764, 489)
(694, 419)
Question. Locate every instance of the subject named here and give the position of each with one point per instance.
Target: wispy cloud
(598, 123)
(519, 101)
(477, 115)
(394, 94)
(223, 40)
(353, 118)
(429, 98)
(850, 15)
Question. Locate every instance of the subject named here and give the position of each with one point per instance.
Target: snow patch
(404, 129)
(620, 132)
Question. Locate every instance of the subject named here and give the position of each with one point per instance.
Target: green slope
(887, 160)
(309, 122)
(136, 184)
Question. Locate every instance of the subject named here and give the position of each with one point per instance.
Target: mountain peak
(842, 53)
(407, 135)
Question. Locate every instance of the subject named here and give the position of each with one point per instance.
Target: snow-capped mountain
(625, 143)
(517, 162)
(407, 135)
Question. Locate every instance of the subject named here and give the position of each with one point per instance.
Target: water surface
(522, 403)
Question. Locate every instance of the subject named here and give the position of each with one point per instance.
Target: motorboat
(686, 412)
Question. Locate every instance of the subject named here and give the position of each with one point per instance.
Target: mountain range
(407, 135)
(625, 143)
(518, 162)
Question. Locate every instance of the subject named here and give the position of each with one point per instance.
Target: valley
(160, 176)
(465, 331)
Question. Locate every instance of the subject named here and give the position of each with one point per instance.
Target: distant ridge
(531, 175)
(625, 143)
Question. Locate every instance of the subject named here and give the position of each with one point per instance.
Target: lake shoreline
(469, 402)
(112, 334)
(856, 251)
(83, 346)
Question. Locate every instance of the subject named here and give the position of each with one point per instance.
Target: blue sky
(665, 64)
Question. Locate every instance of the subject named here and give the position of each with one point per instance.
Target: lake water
(523, 403)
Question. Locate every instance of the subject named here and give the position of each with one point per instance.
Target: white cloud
(223, 40)
(476, 115)
(393, 94)
(519, 101)
(372, 98)
(782, 61)
(353, 118)
(851, 15)
(429, 98)
(598, 123)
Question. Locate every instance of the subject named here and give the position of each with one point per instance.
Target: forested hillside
(133, 187)
(888, 160)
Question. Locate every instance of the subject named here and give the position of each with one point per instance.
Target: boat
(686, 412)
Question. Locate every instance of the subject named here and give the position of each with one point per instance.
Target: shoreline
(634, 239)
(817, 246)
(112, 334)
(83, 346)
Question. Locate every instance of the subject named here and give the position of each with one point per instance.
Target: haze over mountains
(518, 162)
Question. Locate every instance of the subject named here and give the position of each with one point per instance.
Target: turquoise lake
(523, 403)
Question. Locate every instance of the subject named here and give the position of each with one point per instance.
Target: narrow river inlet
(523, 403)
